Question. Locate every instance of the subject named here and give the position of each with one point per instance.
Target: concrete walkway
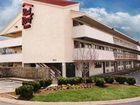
(112, 102)
(9, 84)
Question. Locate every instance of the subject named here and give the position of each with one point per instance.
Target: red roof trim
(27, 4)
(58, 2)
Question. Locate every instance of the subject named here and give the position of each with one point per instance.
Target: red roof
(58, 2)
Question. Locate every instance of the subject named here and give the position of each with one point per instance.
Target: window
(82, 45)
(101, 47)
(112, 63)
(96, 47)
(118, 63)
(77, 23)
(107, 64)
(76, 44)
(121, 62)
(126, 62)
(98, 65)
(88, 45)
(107, 49)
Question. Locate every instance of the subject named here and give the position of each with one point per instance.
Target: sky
(123, 15)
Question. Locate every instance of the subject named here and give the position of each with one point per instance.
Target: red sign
(27, 15)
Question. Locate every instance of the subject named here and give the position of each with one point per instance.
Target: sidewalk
(19, 102)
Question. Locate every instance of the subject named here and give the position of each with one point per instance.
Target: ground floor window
(98, 65)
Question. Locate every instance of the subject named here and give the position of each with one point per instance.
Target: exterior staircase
(53, 71)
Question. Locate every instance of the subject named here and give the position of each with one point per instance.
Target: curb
(111, 102)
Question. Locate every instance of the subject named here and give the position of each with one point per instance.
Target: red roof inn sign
(27, 15)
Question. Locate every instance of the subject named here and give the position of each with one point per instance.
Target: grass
(91, 94)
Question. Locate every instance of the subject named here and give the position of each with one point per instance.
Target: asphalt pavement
(4, 103)
(131, 103)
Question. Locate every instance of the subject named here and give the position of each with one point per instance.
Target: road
(132, 103)
(3, 103)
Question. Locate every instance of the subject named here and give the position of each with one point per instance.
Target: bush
(25, 91)
(109, 79)
(42, 83)
(35, 84)
(45, 82)
(17, 90)
(99, 82)
(96, 77)
(120, 79)
(48, 82)
(62, 81)
(89, 80)
(72, 80)
(131, 81)
(78, 80)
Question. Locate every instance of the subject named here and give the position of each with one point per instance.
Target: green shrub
(78, 80)
(131, 81)
(48, 82)
(35, 84)
(62, 81)
(42, 83)
(89, 80)
(72, 80)
(109, 79)
(45, 82)
(26, 91)
(17, 90)
(96, 77)
(99, 82)
(120, 79)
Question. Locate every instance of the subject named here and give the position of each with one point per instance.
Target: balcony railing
(11, 42)
(125, 44)
(125, 56)
(11, 58)
(91, 32)
(138, 57)
(92, 54)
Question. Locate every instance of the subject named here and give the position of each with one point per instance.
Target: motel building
(55, 34)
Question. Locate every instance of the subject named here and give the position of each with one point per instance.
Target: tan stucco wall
(50, 38)
(14, 26)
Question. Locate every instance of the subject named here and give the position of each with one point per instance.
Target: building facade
(55, 34)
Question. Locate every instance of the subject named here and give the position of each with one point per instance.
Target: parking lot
(136, 75)
(9, 85)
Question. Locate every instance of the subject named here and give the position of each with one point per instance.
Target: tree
(84, 59)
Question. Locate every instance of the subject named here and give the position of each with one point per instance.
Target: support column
(63, 69)
(132, 64)
(22, 64)
(115, 66)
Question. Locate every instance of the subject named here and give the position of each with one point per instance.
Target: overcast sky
(123, 15)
